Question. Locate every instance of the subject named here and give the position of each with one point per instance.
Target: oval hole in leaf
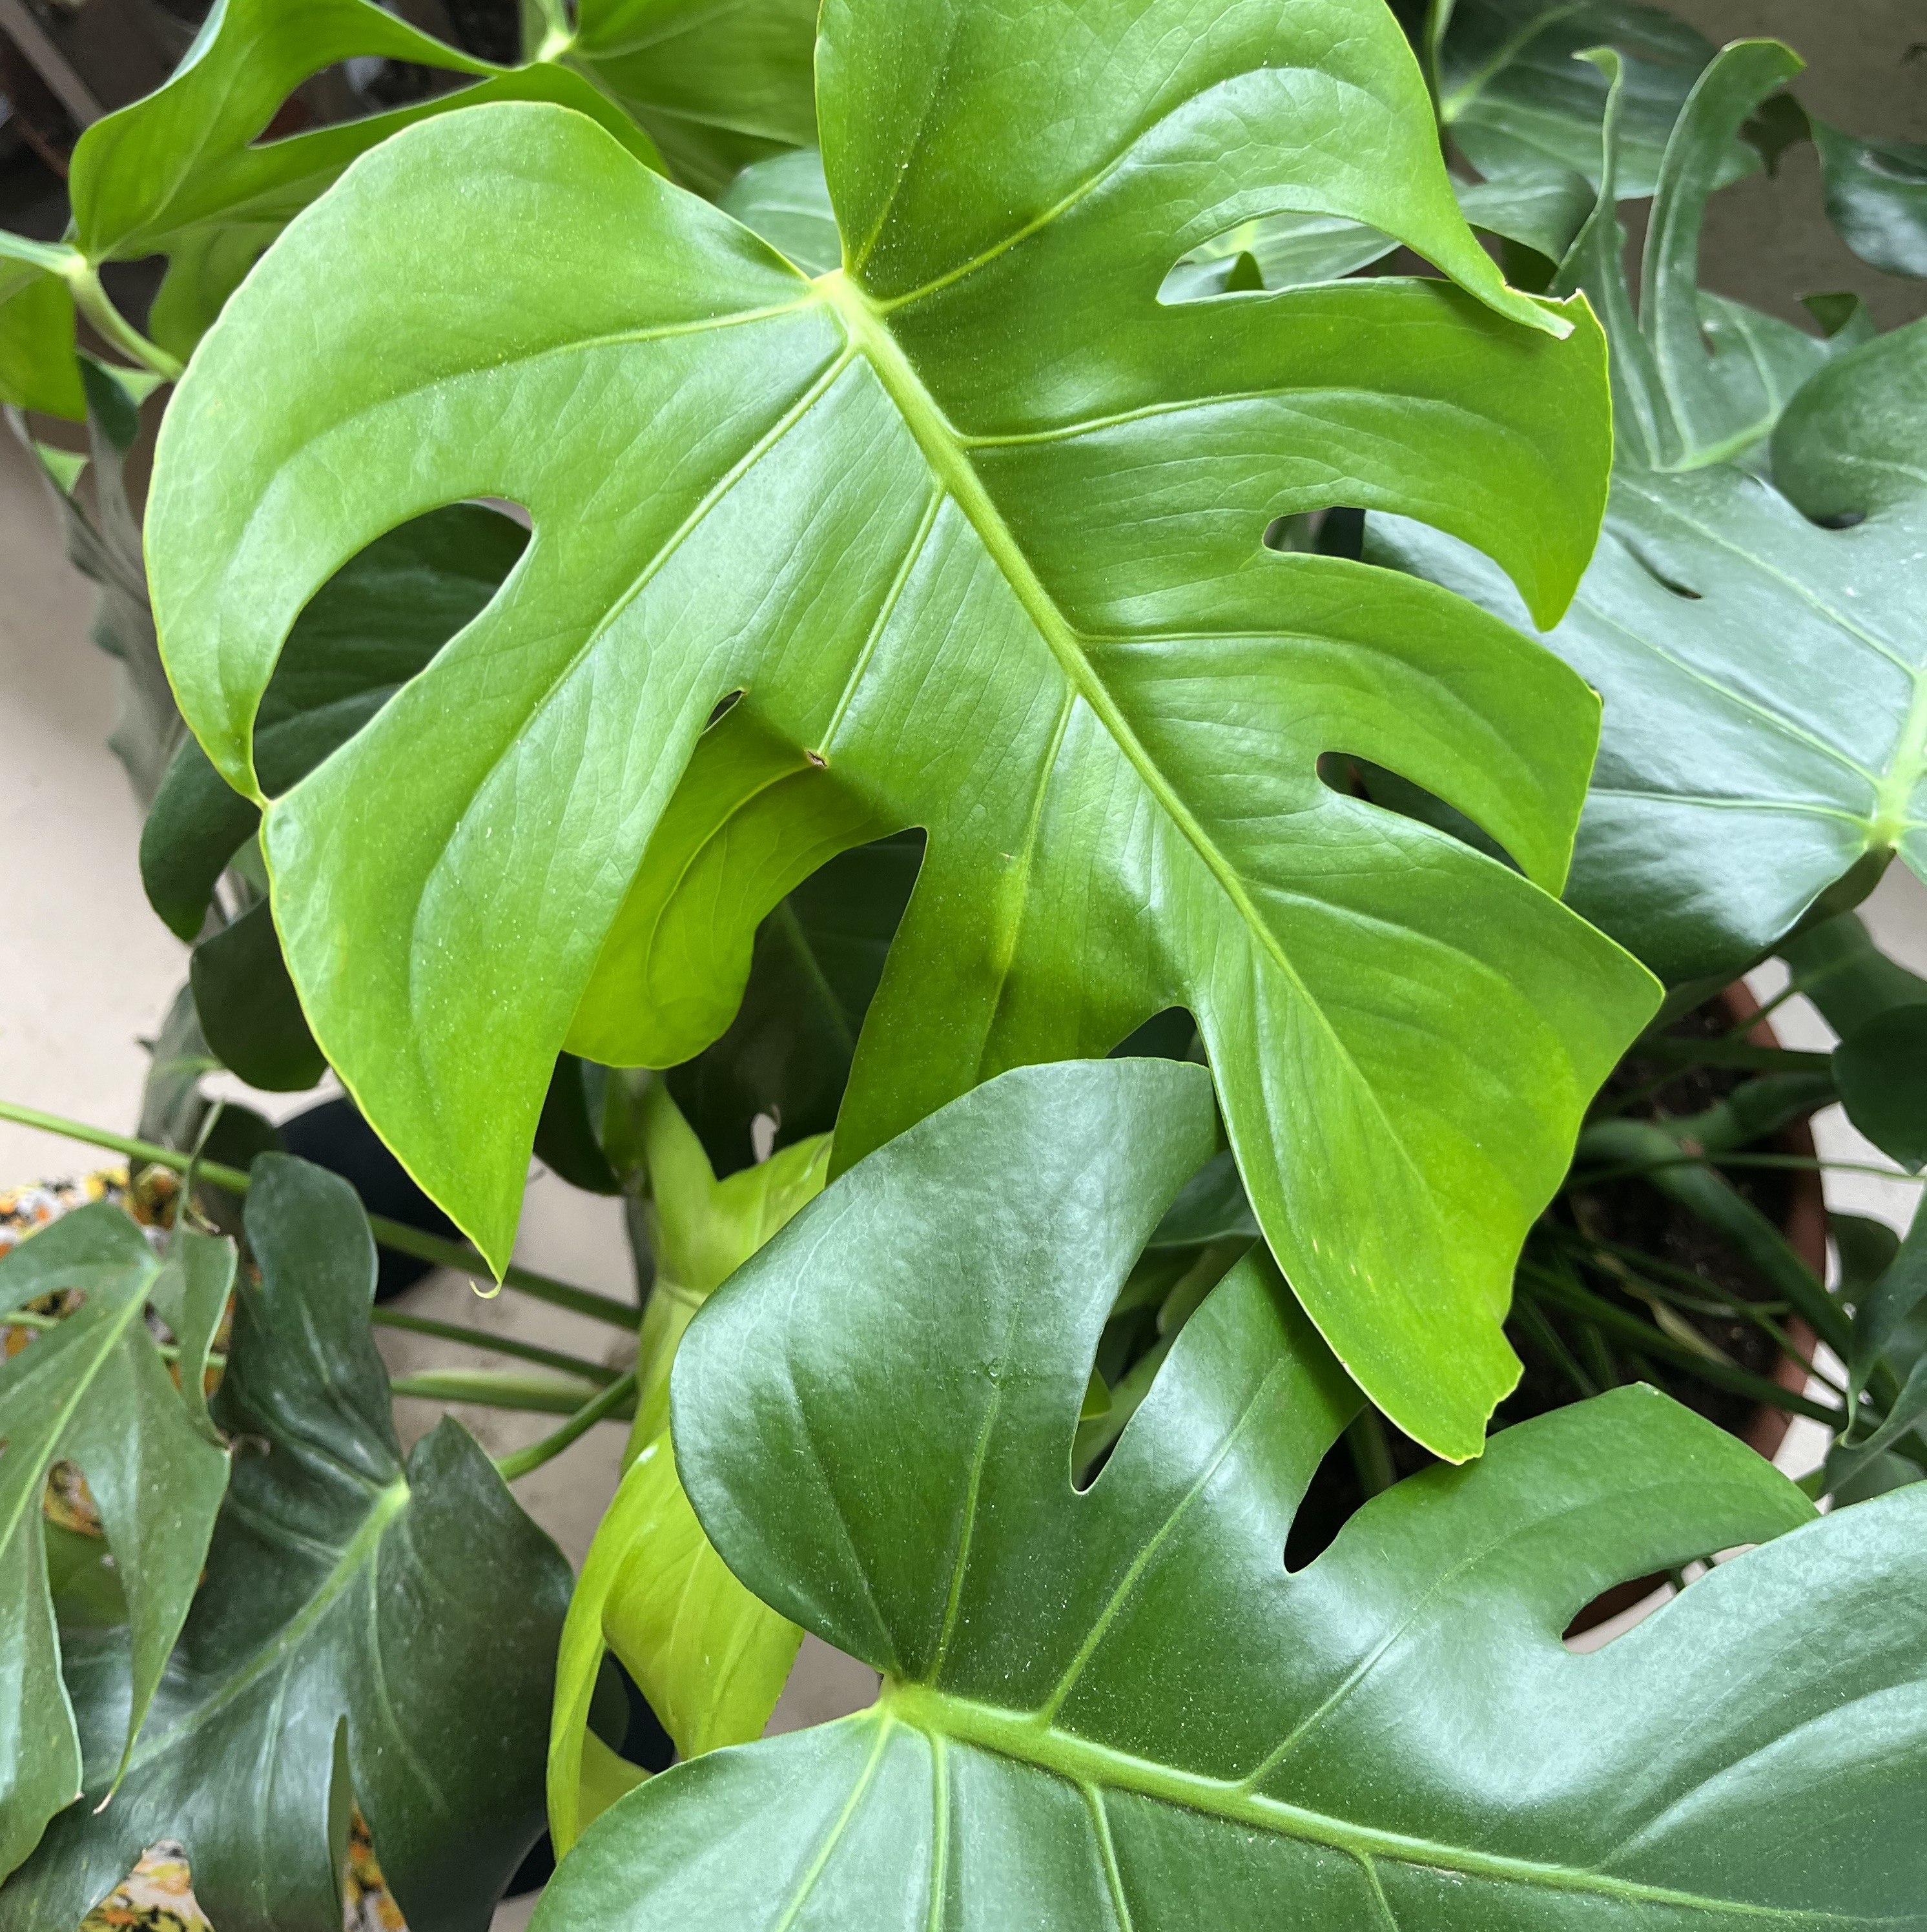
(1287, 250)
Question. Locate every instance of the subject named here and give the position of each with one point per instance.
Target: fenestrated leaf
(92, 1390)
(976, 526)
(1116, 1708)
(1854, 439)
(412, 1613)
(719, 85)
(1282, 251)
(1516, 98)
(190, 1294)
(369, 629)
(1540, 212)
(1877, 197)
(1762, 675)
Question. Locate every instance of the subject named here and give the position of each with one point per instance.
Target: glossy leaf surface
(1854, 439)
(1116, 1709)
(1877, 197)
(719, 85)
(1004, 583)
(1516, 99)
(1764, 704)
(364, 1628)
(93, 1390)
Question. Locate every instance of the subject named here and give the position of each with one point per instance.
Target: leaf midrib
(113, 1332)
(1027, 1737)
(943, 451)
(387, 1504)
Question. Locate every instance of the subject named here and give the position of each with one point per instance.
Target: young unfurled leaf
(1760, 670)
(365, 1629)
(975, 525)
(711, 1657)
(94, 1390)
(1117, 1708)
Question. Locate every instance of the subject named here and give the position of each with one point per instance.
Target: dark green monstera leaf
(720, 84)
(1877, 197)
(1760, 646)
(365, 1629)
(974, 526)
(1517, 100)
(94, 1390)
(1116, 1709)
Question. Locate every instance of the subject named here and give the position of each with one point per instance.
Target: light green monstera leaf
(721, 84)
(1759, 645)
(1116, 1709)
(974, 526)
(188, 172)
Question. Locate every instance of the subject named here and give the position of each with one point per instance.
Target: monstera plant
(736, 605)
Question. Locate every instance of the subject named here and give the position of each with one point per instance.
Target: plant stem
(25, 1318)
(393, 1234)
(498, 1388)
(1712, 1158)
(1534, 1320)
(499, 1345)
(83, 281)
(579, 1424)
(1643, 1336)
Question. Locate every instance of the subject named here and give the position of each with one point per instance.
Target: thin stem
(579, 1424)
(1806, 1162)
(93, 301)
(499, 1345)
(1534, 1320)
(393, 1234)
(1640, 1335)
(495, 1388)
(25, 1318)
(458, 1255)
(1794, 987)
